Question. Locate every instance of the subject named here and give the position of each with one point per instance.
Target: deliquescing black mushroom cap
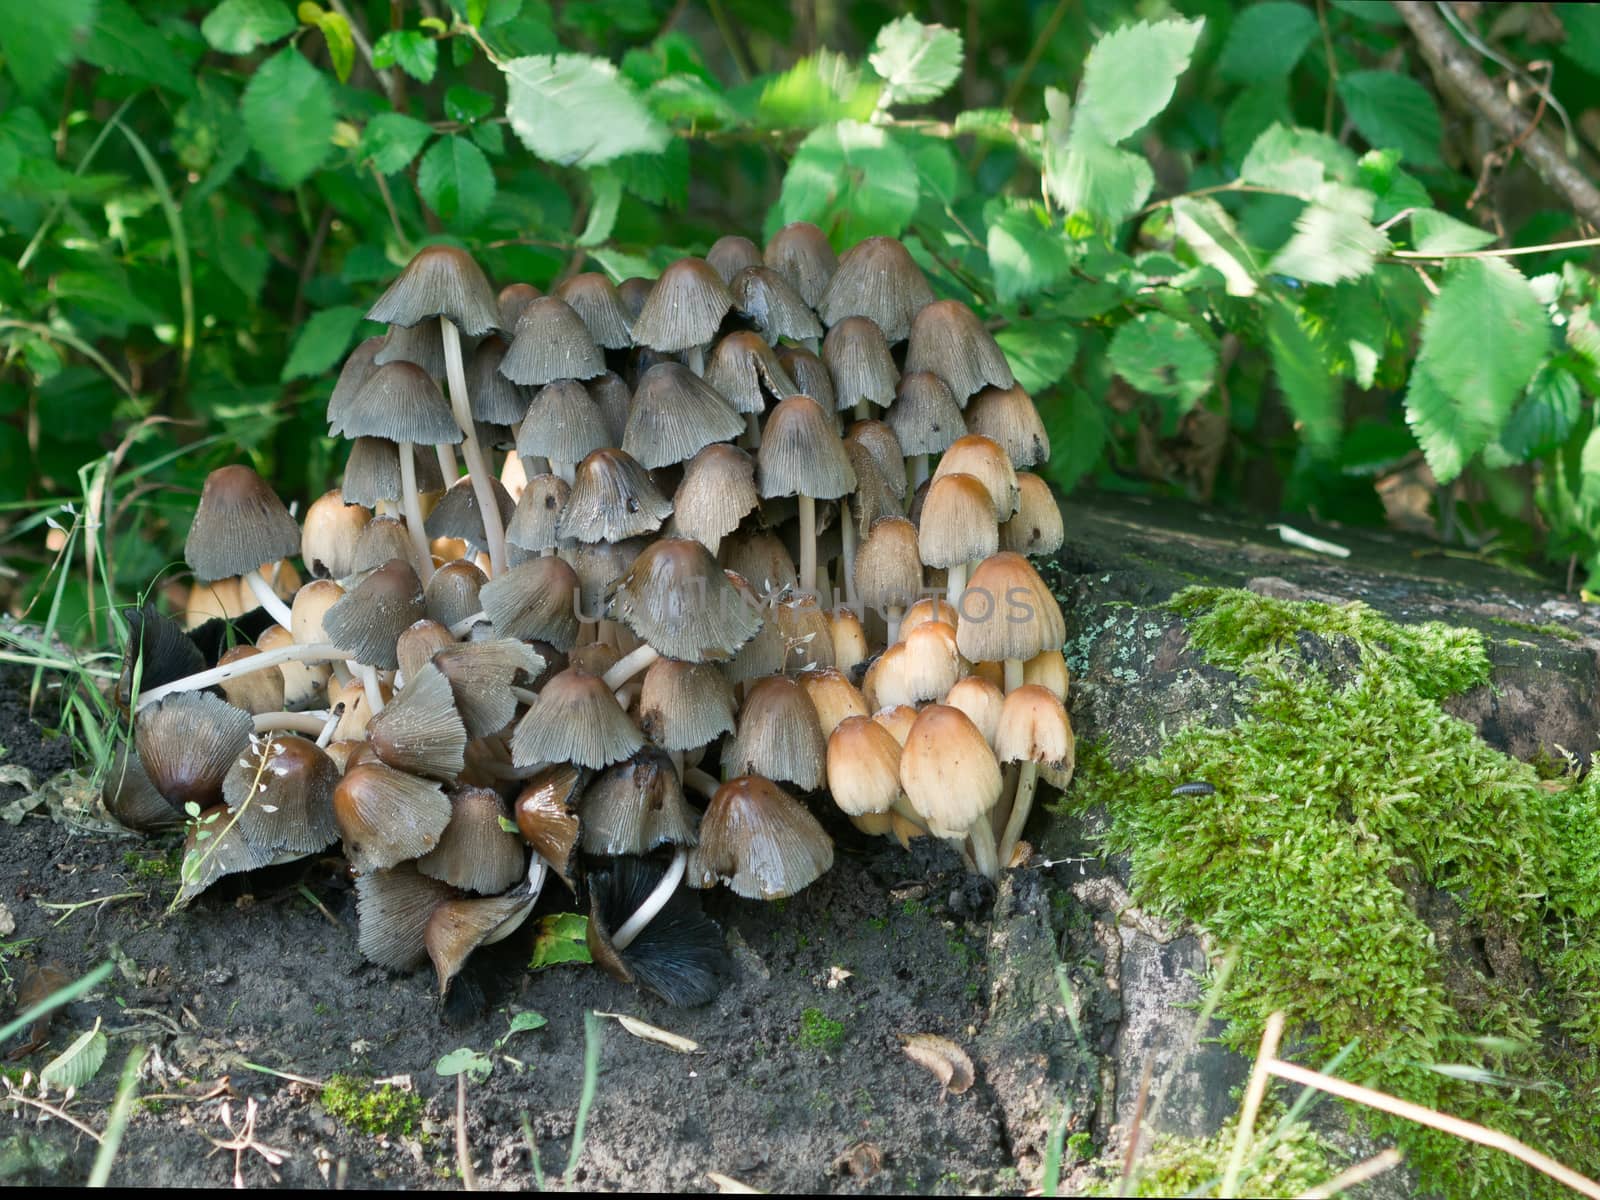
(575, 719)
(857, 357)
(158, 651)
(925, 415)
(731, 254)
(495, 398)
(802, 254)
(357, 366)
(613, 498)
(684, 309)
(368, 620)
(401, 402)
(533, 600)
(387, 816)
(534, 524)
(779, 736)
(758, 840)
(481, 676)
(392, 911)
(420, 731)
(187, 742)
(948, 339)
(551, 343)
(677, 598)
(674, 415)
(877, 278)
(457, 515)
(597, 302)
(440, 281)
(452, 594)
(745, 371)
(474, 853)
(718, 490)
(685, 705)
(281, 791)
(767, 299)
(635, 806)
(801, 454)
(563, 425)
(678, 956)
(239, 525)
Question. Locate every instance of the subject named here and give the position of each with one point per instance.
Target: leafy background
(1229, 249)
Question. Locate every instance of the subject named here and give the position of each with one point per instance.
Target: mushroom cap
(948, 771)
(759, 841)
(760, 557)
(474, 853)
(833, 696)
(744, 370)
(255, 691)
(948, 339)
(452, 592)
(534, 600)
(401, 402)
(1036, 527)
(440, 281)
(773, 305)
(1008, 417)
(801, 254)
(1034, 727)
(779, 735)
(534, 524)
(932, 662)
(1049, 670)
(877, 278)
(676, 597)
(420, 642)
(596, 301)
(368, 620)
(635, 290)
(850, 647)
(239, 525)
(546, 817)
(576, 719)
(457, 515)
(392, 911)
(679, 955)
(615, 400)
(731, 254)
(289, 794)
(981, 700)
(495, 398)
(810, 374)
(372, 472)
(383, 539)
(801, 454)
(612, 498)
(458, 926)
(684, 309)
(857, 357)
(807, 634)
(684, 705)
(420, 344)
(599, 565)
(983, 459)
(675, 414)
(131, 798)
(888, 572)
(513, 298)
(188, 742)
(564, 424)
(357, 366)
(863, 766)
(330, 532)
(958, 522)
(481, 676)
(880, 441)
(158, 651)
(925, 415)
(420, 730)
(1007, 612)
(717, 491)
(214, 847)
(551, 343)
(634, 806)
(387, 816)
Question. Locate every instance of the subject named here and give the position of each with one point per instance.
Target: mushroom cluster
(757, 537)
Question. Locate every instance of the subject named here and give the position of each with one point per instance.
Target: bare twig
(59, 1114)
(1367, 1168)
(1253, 1095)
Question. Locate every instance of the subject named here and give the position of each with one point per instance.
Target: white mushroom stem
(413, 510)
(320, 652)
(847, 541)
(630, 665)
(494, 530)
(653, 903)
(538, 872)
(325, 734)
(808, 544)
(896, 614)
(447, 463)
(955, 582)
(369, 684)
(984, 853)
(298, 722)
(1013, 674)
(700, 781)
(267, 598)
(1027, 784)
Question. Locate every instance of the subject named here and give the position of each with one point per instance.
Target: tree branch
(1457, 73)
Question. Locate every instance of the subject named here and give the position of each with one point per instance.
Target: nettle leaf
(852, 180)
(1298, 161)
(1266, 41)
(1027, 253)
(391, 140)
(575, 109)
(1390, 109)
(1483, 337)
(1435, 233)
(1040, 351)
(121, 43)
(657, 178)
(822, 87)
(1076, 423)
(1303, 377)
(1130, 76)
(917, 62)
(289, 115)
(322, 341)
(1162, 356)
(1546, 415)
(239, 26)
(456, 181)
(1205, 227)
(38, 40)
(1092, 176)
(1329, 245)
(414, 53)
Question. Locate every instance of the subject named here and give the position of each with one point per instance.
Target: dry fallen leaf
(653, 1033)
(837, 975)
(728, 1184)
(948, 1061)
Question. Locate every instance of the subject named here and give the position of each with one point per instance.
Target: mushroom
(776, 309)
(863, 371)
(538, 516)
(513, 298)
(1010, 618)
(888, 571)
(801, 254)
(357, 366)
(731, 254)
(926, 419)
(952, 780)
(564, 424)
(613, 498)
(957, 528)
(876, 278)
(717, 491)
(678, 956)
(239, 525)
(419, 730)
(454, 593)
(1034, 731)
(456, 515)
(329, 534)
(474, 853)
(392, 911)
(547, 820)
(280, 790)
(482, 676)
(759, 841)
(674, 415)
(575, 719)
(596, 301)
(801, 455)
(863, 767)
(779, 736)
(188, 743)
(387, 816)
(1036, 527)
(534, 600)
(1007, 417)
(367, 621)
(683, 311)
(948, 339)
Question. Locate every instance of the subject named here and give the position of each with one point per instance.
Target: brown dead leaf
(948, 1061)
(653, 1033)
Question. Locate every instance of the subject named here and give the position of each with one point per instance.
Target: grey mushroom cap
(877, 278)
(383, 538)
(372, 472)
(392, 911)
(1008, 417)
(766, 298)
(744, 371)
(440, 281)
(685, 705)
(495, 398)
(677, 598)
(612, 498)
(513, 298)
(401, 402)
(717, 491)
(760, 841)
(684, 309)
(925, 415)
(779, 736)
(801, 454)
(239, 525)
(857, 357)
(457, 514)
(596, 300)
(810, 375)
(551, 342)
(888, 568)
(948, 339)
(564, 424)
(598, 566)
(537, 519)
(575, 719)
(614, 398)
(802, 254)
(421, 344)
(352, 375)
(474, 853)
(452, 593)
(481, 676)
(368, 620)
(533, 600)
(731, 254)
(675, 414)
(420, 730)
(634, 806)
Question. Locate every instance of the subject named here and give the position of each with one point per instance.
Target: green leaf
(1040, 351)
(851, 179)
(1435, 233)
(467, 1061)
(1329, 246)
(1582, 24)
(1092, 176)
(523, 1022)
(467, 105)
(322, 341)
(821, 87)
(1163, 356)
(1131, 74)
(456, 181)
(1546, 415)
(341, 43)
(1303, 377)
(414, 53)
(1395, 190)
(106, 292)
(1589, 474)
(1251, 113)
(917, 62)
(239, 248)
(606, 189)
(691, 101)
(79, 1062)
(38, 40)
(121, 43)
(289, 114)
(391, 140)
(239, 26)
(574, 109)
(1205, 227)
(1297, 161)
(1266, 41)
(1390, 109)
(562, 938)
(657, 178)
(1076, 424)
(1482, 339)
(1026, 253)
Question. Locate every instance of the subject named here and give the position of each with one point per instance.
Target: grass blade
(117, 1122)
(593, 1033)
(180, 244)
(55, 1000)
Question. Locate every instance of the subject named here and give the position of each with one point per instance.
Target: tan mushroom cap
(1037, 526)
(863, 767)
(948, 771)
(387, 816)
(1034, 728)
(1007, 612)
(958, 522)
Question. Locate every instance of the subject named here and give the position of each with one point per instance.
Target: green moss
(1296, 1161)
(383, 1109)
(143, 866)
(1548, 629)
(819, 1032)
(1347, 803)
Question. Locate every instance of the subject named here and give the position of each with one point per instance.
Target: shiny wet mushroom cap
(281, 792)
(546, 816)
(760, 841)
(188, 742)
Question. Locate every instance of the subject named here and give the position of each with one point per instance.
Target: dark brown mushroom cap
(634, 291)
(457, 514)
(948, 339)
(858, 359)
(801, 253)
(564, 424)
(538, 516)
(392, 911)
(1011, 615)
(888, 569)
(239, 525)
(368, 620)
(495, 398)
(457, 927)
(420, 731)
(684, 309)
(474, 853)
(131, 798)
(1037, 526)
(676, 597)
(759, 841)
(595, 299)
(744, 371)
(810, 375)
(551, 342)
(188, 742)
(612, 498)
(718, 490)
(801, 454)
(401, 402)
(767, 299)
(675, 414)
(634, 806)
(1008, 417)
(731, 254)
(925, 415)
(779, 735)
(547, 818)
(452, 594)
(387, 816)
(513, 298)
(440, 281)
(481, 676)
(352, 375)
(576, 719)
(281, 790)
(420, 344)
(878, 279)
(684, 705)
(534, 600)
